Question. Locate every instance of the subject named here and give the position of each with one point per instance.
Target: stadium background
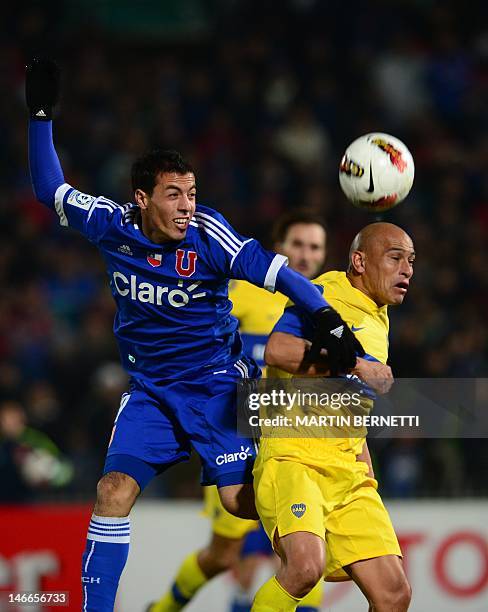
(263, 98)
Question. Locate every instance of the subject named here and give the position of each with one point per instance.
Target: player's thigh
(225, 524)
(207, 409)
(381, 579)
(145, 438)
(359, 529)
(289, 498)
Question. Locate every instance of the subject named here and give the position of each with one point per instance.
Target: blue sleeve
(295, 322)
(236, 256)
(300, 290)
(88, 214)
(44, 166)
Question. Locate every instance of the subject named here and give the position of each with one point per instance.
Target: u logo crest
(185, 268)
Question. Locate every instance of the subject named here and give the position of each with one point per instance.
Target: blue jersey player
(169, 262)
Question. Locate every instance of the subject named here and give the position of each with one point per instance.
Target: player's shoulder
(72, 196)
(206, 217)
(94, 215)
(333, 277)
(125, 218)
(203, 208)
(130, 214)
(211, 228)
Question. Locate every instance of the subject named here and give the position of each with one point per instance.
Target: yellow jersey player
(300, 236)
(316, 496)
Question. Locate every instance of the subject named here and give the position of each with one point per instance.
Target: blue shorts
(159, 421)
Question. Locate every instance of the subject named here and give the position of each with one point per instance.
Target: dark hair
(146, 168)
(283, 224)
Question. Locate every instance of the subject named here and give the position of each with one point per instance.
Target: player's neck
(152, 233)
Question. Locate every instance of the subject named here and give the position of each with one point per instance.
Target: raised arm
(41, 93)
(90, 215)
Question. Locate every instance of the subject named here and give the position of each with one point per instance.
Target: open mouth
(182, 222)
(403, 286)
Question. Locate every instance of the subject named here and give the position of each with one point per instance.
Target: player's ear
(357, 261)
(141, 199)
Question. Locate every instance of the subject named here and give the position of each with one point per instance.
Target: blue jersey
(173, 313)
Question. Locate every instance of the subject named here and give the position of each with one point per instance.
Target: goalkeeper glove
(41, 88)
(333, 334)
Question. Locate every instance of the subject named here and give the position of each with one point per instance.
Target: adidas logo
(41, 113)
(125, 249)
(337, 332)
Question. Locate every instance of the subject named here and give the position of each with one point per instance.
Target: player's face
(170, 207)
(388, 268)
(305, 247)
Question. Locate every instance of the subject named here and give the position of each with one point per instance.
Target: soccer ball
(376, 172)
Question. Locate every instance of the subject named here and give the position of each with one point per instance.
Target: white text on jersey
(153, 294)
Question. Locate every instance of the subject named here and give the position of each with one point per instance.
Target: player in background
(317, 496)
(169, 262)
(236, 543)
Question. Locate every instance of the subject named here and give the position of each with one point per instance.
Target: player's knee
(395, 596)
(116, 494)
(403, 595)
(305, 569)
(306, 576)
(220, 555)
(225, 560)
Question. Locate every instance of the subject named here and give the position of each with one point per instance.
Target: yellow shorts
(223, 523)
(335, 500)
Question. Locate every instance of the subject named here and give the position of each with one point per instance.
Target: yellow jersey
(370, 324)
(257, 310)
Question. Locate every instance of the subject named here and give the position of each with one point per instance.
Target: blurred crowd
(263, 103)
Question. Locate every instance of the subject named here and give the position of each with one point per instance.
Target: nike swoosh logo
(355, 329)
(371, 183)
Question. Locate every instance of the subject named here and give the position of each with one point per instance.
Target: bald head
(381, 262)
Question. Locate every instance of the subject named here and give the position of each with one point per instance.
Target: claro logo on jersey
(147, 293)
(241, 455)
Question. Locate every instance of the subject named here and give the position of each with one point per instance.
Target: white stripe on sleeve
(61, 191)
(272, 273)
(210, 232)
(242, 246)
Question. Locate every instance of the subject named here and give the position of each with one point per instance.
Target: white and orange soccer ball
(376, 172)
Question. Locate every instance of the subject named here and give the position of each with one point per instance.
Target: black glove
(41, 88)
(333, 334)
